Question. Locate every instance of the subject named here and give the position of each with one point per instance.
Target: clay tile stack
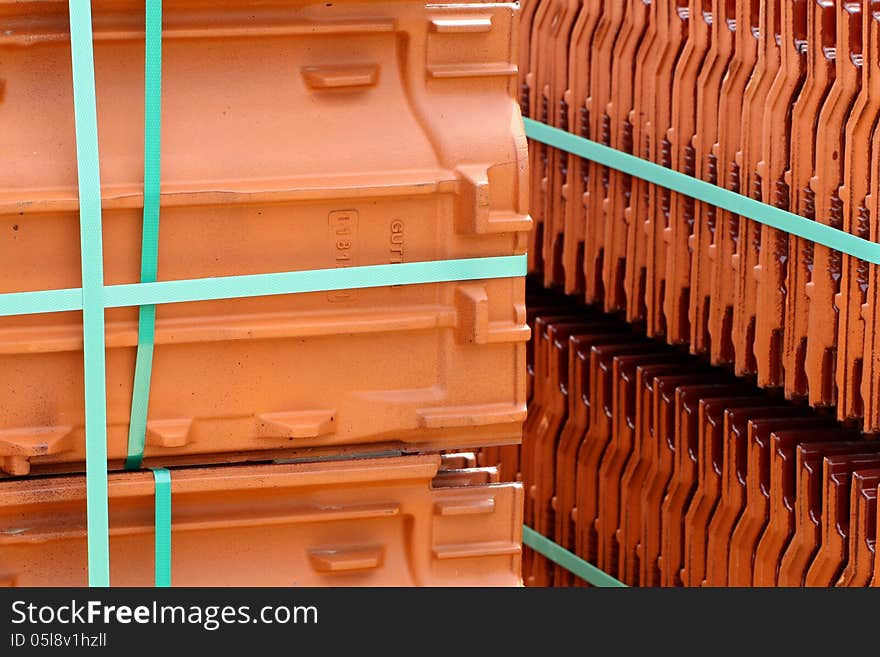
(664, 471)
(295, 136)
(704, 388)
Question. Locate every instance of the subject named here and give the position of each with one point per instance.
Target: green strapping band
(91, 247)
(94, 296)
(568, 560)
(44, 301)
(701, 190)
(258, 285)
(140, 395)
(162, 480)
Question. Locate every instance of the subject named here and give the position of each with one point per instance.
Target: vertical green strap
(162, 479)
(140, 396)
(91, 246)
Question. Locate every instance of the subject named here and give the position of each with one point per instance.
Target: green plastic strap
(140, 394)
(91, 246)
(162, 479)
(701, 190)
(257, 285)
(315, 280)
(568, 560)
(44, 301)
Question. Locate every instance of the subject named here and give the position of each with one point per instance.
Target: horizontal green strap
(162, 479)
(43, 301)
(258, 285)
(568, 560)
(701, 190)
(315, 280)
